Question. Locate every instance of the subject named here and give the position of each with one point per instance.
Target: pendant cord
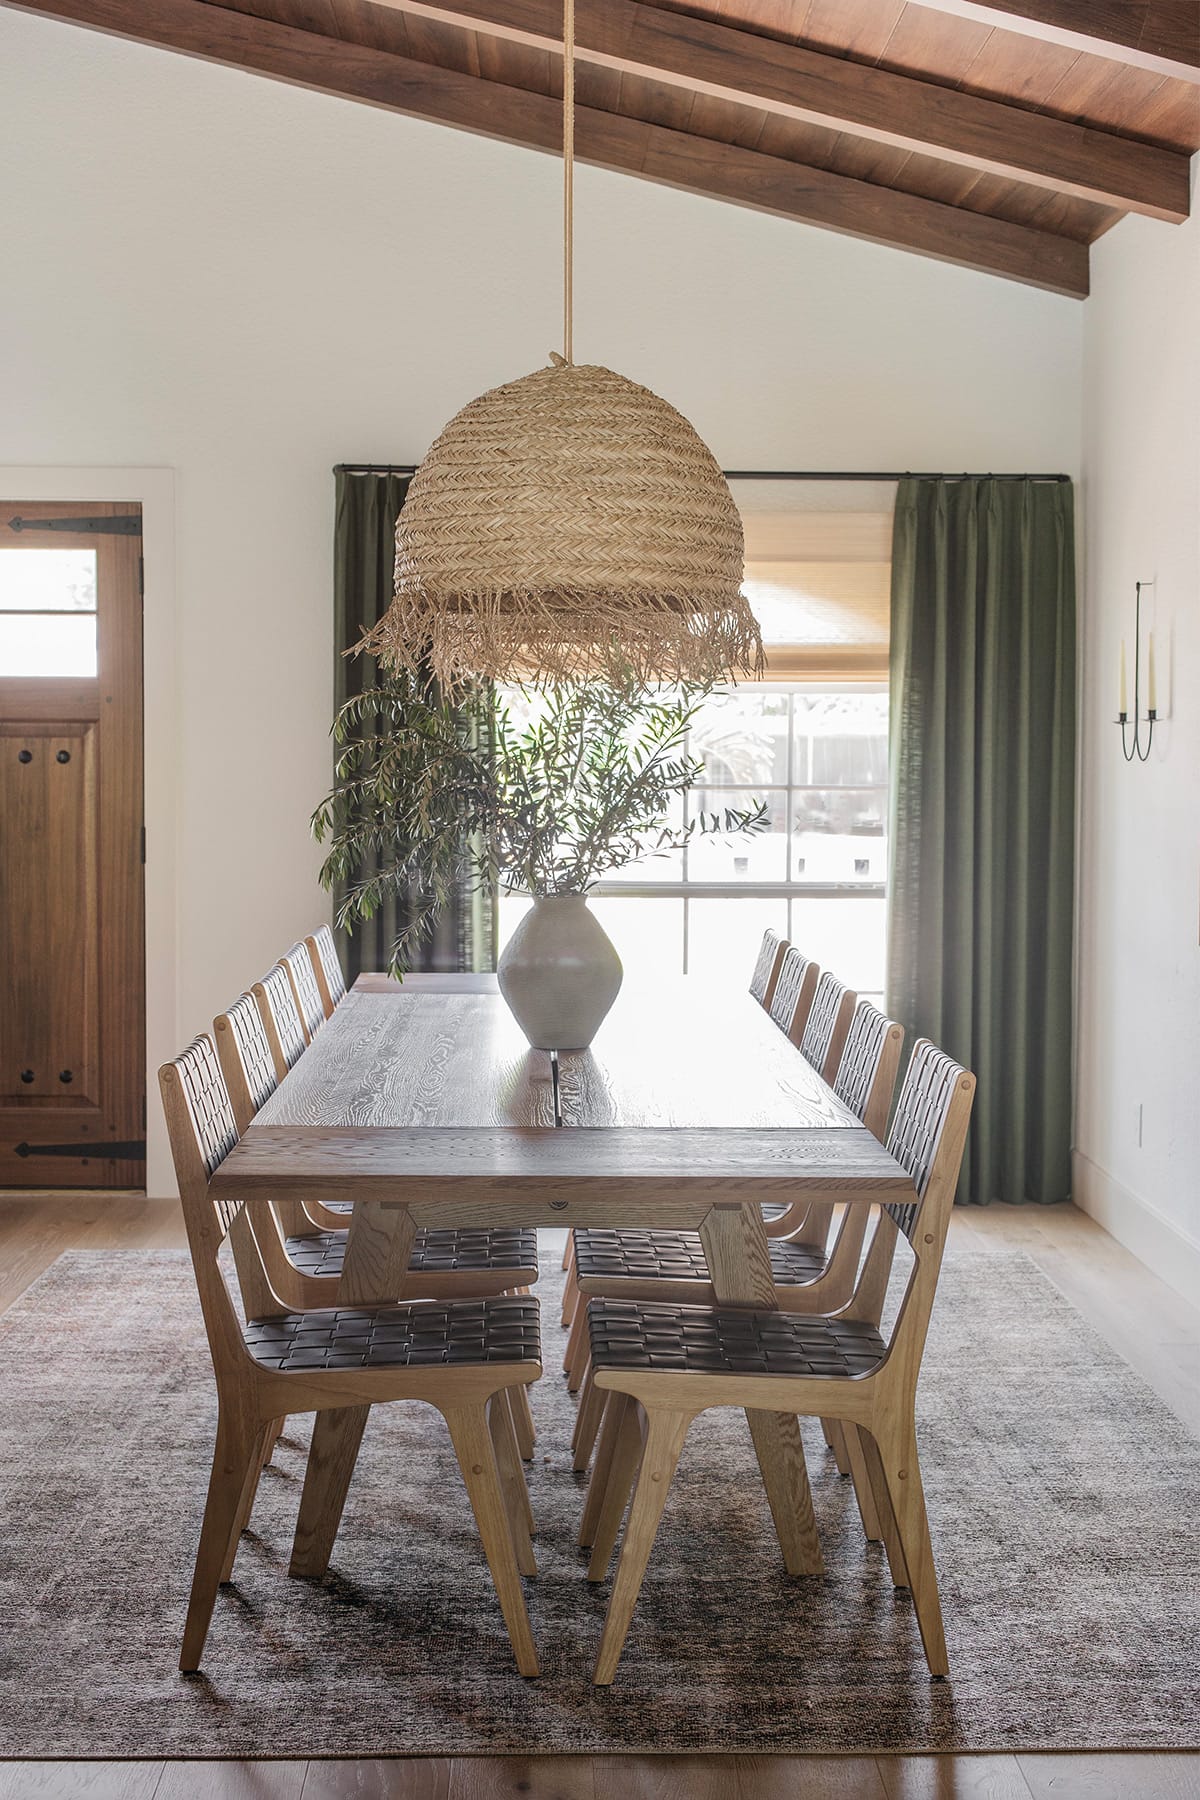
(568, 171)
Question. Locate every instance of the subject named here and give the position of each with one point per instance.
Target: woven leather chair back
(828, 1024)
(794, 992)
(766, 968)
(305, 992)
(281, 1021)
(327, 968)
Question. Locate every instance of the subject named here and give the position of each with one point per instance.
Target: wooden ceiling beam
(702, 56)
(700, 165)
(1161, 35)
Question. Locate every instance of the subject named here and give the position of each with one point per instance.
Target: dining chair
(327, 968)
(652, 1264)
(663, 1365)
(302, 980)
(281, 1019)
(304, 1267)
(827, 1025)
(464, 1358)
(766, 968)
(792, 1000)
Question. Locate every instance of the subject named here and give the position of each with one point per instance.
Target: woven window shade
(820, 585)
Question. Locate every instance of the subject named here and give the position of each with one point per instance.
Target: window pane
(847, 936)
(647, 934)
(48, 581)
(739, 857)
(741, 737)
(33, 644)
(724, 936)
(840, 740)
(838, 834)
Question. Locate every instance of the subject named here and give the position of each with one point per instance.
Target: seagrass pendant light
(567, 525)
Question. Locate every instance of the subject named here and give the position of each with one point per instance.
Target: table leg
(377, 1254)
(378, 1249)
(739, 1261)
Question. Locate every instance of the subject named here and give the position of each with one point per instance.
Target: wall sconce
(1133, 748)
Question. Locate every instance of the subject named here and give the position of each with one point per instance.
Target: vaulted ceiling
(1003, 137)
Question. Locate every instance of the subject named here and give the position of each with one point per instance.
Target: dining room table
(422, 1103)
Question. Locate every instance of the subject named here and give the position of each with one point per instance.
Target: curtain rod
(767, 474)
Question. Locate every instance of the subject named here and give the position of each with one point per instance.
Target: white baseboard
(1171, 1253)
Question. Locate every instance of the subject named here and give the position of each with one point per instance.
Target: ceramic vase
(559, 973)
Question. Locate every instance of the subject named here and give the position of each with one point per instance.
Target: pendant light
(567, 525)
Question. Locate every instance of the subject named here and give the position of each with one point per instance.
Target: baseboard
(1171, 1253)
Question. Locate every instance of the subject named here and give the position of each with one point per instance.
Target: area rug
(1062, 1498)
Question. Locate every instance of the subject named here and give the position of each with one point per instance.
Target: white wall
(1139, 947)
(246, 283)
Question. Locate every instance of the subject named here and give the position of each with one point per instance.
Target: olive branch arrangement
(542, 790)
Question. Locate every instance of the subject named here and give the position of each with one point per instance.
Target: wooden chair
(281, 1019)
(766, 968)
(663, 1365)
(304, 1266)
(828, 1025)
(463, 1357)
(792, 1000)
(637, 1264)
(302, 980)
(327, 968)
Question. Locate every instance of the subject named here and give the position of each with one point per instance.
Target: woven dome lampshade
(567, 525)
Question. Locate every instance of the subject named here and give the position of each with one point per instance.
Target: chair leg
(522, 1414)
(591, 1408)
(331, 1459)
(512, 1480)
(883, 1510)
(665, 1436)
(236, 1460)
(902, 1474)
(611, 1407)
(577, 1338)
(628, 1448)
(837, 1443)
(570, 1299)
(860, 1474)
(780, 1455)
(473, 1447)
(580, 1349)
(566, 1256)
(249, 1490)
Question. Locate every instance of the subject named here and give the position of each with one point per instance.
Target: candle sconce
(1133, 747)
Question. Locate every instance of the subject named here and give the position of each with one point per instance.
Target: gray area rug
(1062, 1497)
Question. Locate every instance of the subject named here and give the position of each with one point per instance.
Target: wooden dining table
(423, 1104)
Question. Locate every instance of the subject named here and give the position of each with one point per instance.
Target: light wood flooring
(1143, 1319)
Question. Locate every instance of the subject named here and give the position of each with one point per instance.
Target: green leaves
(545, 791)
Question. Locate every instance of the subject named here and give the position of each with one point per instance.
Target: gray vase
(559, 973)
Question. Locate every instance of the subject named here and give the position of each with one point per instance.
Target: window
(818, 758)
(47, 612)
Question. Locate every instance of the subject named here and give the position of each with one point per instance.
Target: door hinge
(119, 525)
(142, 576)
(143, 846)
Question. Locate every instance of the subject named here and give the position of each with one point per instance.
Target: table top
(412, 1095)
(679, 1056)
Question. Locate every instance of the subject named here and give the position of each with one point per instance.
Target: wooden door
(72, 981)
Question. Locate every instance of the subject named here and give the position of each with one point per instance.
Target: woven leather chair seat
(677, 1256)
(458, 1332)
(632, 1334)
(434, 1252)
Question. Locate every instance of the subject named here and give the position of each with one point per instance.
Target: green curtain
(982, 811)
(364, 554)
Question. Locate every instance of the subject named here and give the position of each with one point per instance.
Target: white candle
(1123, 708)
(1151, 685)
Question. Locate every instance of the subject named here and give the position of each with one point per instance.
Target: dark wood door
(72, 981)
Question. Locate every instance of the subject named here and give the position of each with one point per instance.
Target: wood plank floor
(1145, 1321)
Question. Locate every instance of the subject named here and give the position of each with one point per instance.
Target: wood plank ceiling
(1003, 137)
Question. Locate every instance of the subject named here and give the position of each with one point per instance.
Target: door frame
(154, 491)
